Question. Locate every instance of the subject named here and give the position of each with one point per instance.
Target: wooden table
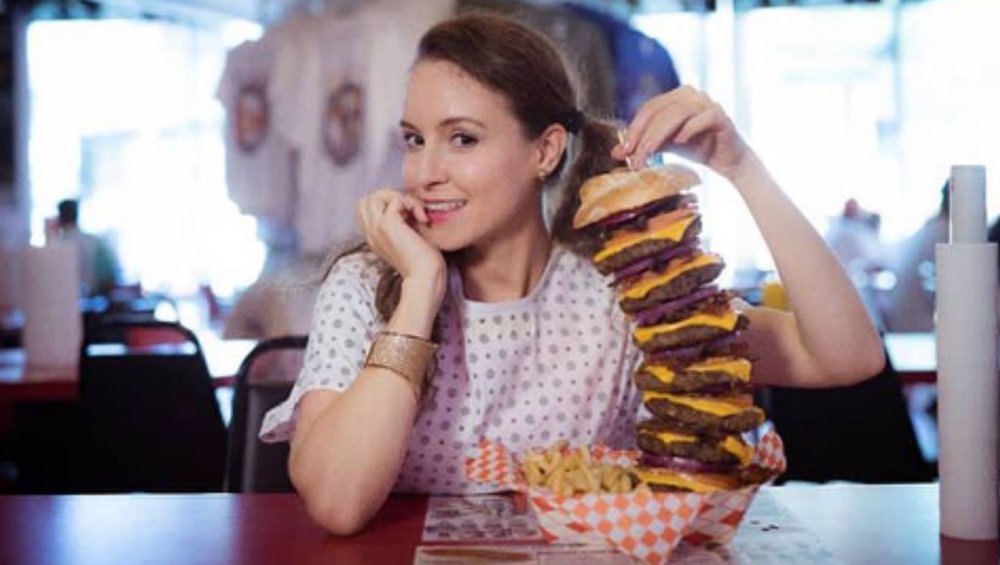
(860, 524)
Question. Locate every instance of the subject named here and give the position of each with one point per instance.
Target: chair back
(264, 380)
(860, 433)
(151, 421)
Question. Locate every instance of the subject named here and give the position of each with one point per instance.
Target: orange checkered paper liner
(647, 527)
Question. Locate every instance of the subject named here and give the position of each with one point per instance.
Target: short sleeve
(344, 322)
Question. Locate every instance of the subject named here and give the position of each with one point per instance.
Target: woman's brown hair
(520, 63)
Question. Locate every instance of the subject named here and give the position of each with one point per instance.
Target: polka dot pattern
(554, 364)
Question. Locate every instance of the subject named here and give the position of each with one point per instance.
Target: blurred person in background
(99, 268)
(910, 304)
(853, 236)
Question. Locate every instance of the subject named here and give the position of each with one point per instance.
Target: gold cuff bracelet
(408, 356)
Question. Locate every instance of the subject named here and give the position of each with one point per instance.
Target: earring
(542, 174)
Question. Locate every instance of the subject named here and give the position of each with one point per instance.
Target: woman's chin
(440, 241)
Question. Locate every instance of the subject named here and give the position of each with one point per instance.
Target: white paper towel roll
(50, 285)
(968, 401)
(967, 199)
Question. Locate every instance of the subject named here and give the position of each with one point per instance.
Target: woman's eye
(463, 140)
(412, 140)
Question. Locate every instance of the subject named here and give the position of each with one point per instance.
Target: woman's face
(467, 159)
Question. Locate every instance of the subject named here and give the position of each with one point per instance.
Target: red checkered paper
(645, 526)
(492, 464)
(770, 452)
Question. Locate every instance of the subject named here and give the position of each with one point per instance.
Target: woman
(532, 346)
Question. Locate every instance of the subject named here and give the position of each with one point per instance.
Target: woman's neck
(508, 269)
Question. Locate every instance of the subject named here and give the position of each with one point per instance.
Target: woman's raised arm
(827, 338)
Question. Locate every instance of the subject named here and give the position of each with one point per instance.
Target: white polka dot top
(555, 364)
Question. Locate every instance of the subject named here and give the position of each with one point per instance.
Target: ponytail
(595, 141)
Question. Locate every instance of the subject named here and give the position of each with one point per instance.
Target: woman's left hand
(689, 123)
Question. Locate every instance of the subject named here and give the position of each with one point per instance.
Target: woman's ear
(551, 145)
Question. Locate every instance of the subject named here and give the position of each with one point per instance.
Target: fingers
(660, 131)
(635, 137)
(415, 208)
(658, 122)
(371, 210)
(708, 119)
(363, 219)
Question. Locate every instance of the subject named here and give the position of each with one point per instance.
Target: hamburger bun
(623, 189)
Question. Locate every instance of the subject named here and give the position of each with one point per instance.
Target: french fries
(571, 471)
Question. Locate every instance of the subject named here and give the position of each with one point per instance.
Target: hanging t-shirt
(258, 162)
(555, 364)
(338, 100)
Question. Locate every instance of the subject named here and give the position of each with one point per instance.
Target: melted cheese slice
(739, 449)
(726, 321)
(742, 451)
(651, 279)
(674, 480)
(671, 437)
(671, 225)
(721, 407)
(737, 367)
(663, 374)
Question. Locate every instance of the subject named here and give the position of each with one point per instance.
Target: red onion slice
(683, 464)
(651, 315)
(687, 352)
(671, 202)
(650, 261)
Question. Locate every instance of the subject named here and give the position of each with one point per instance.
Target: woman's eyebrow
(460, 119)
(446, 122)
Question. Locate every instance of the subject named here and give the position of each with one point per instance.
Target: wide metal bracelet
(406, 355)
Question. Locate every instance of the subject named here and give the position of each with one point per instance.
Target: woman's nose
(427, 168)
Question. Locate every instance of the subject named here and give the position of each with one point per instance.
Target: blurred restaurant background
(200, 158)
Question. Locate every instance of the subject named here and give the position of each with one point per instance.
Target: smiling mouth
(440, 212)
(441, 207)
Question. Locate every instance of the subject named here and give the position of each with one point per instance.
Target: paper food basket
(647, 527)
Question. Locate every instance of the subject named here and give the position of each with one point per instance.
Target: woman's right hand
(387, 219)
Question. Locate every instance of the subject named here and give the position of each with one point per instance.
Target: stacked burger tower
(694, 376)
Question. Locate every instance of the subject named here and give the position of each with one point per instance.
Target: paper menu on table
(484, 518)
(521, 554)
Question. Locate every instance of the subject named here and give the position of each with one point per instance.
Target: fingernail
(623, 140)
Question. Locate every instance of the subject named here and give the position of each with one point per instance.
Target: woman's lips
(438, 213)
